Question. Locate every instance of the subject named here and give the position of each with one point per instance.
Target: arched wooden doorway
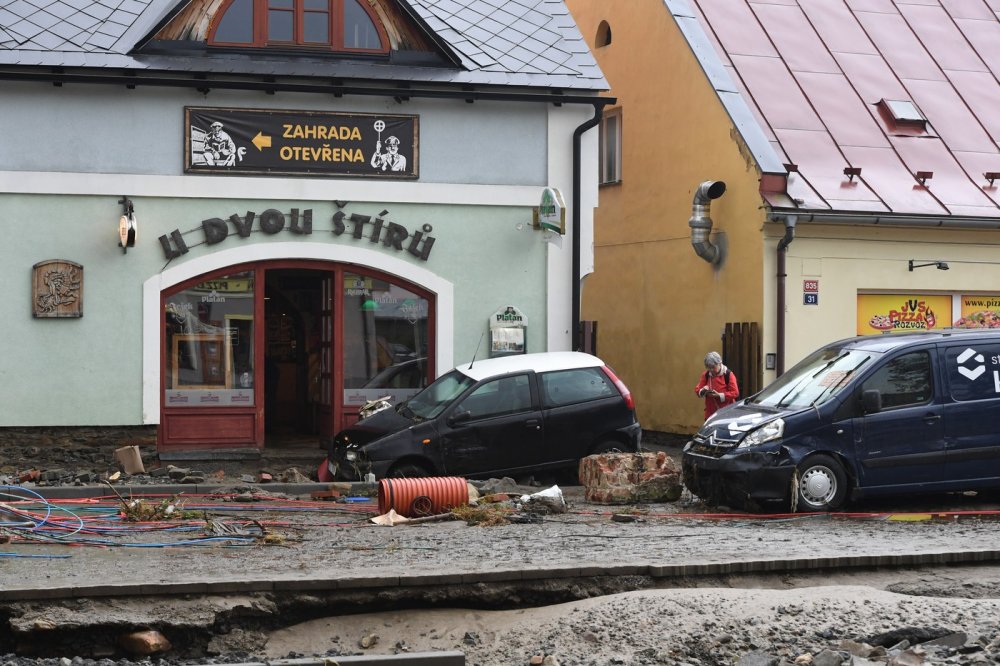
(256, 354)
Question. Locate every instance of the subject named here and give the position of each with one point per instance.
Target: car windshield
(815, 379)
(432, 400)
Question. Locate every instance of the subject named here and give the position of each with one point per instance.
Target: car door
(904, 442)
(972, 412)
(580, 405)
(496, 427)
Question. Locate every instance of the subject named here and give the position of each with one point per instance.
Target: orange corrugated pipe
(428, 496)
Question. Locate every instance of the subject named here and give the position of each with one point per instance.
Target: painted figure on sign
(220, 149)
(390, 160)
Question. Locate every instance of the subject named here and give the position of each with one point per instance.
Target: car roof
(538, 362)
(890, 341)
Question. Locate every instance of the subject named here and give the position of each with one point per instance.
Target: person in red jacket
(717, 386)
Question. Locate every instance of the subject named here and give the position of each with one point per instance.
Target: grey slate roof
(532, 43)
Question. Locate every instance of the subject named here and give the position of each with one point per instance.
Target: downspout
(786, 240)
(575, 337)
(701, 223)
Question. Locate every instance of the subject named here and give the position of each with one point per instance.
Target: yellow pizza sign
(981, 311)
(902, 313)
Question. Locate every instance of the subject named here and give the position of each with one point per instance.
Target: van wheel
(821, 485)
(608, 446)
(408, 470)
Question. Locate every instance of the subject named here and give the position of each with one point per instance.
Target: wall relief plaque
(57, 289)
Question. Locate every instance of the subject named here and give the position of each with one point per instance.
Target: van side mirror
(459, 417)
(871, 401)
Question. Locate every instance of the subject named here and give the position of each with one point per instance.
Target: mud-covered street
(240, 580)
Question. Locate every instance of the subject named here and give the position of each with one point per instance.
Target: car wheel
(608, 446)
(407, 470)
(821, 485)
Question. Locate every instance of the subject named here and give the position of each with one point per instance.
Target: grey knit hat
(712, 359)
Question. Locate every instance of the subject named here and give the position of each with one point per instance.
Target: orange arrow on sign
(261, 141)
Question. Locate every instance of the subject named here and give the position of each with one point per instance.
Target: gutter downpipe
(575, 337)
(786, 240)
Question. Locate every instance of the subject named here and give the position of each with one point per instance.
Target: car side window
(971, 371)
(905, 380)
(566, 387)
(507, 395)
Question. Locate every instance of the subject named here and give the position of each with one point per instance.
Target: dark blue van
(865, 416)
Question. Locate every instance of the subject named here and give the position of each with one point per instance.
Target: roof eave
(882, 219)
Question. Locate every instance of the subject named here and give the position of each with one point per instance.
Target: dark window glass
(385, 326)
(307, 22)
(610, 147)
(236, 26)
(316, 27)
(279, 26)
(567, 387)
(507, 395)
(973, 372)
(905, 380)
(209, 343)
(359, 31)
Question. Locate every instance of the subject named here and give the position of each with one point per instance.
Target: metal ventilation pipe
(701, 223)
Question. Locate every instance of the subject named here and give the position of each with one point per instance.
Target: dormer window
(337, 25)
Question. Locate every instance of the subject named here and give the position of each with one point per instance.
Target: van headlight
(771, 430)
(351, 456)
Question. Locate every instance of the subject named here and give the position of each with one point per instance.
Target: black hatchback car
(508, 415)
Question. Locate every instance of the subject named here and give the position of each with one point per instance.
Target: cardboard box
(130, 460)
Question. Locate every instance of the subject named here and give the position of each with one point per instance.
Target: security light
(940, 265)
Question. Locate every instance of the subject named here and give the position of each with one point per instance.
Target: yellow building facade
(836, 212)
(661, 307)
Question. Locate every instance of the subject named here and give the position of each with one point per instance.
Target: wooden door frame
(256, 411)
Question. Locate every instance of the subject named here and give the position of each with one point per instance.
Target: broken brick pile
(628, 478)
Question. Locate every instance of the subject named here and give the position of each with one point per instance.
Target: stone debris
(143, 643)
(629, 478)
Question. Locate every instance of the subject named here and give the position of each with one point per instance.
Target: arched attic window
(337, 25)
(603, 35)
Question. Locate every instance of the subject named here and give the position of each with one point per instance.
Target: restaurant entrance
(256, 355)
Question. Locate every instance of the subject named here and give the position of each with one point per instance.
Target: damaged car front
(750, 454)
(395, 440)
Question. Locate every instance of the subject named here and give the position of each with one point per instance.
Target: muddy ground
(824, 618)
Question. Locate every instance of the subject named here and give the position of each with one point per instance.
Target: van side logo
(971, 373)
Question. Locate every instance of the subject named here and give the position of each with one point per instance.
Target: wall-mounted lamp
(851, 172)
(126, 225)
(923, 176)
(991, 176)
(940, 265)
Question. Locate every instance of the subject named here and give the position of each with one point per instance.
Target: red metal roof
(814, 71)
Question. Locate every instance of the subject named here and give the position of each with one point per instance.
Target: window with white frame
(611, 147)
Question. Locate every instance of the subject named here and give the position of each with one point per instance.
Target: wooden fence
(741, 351)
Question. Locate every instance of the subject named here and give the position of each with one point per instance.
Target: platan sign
(242, 141)
(507, 328)
(551, 212)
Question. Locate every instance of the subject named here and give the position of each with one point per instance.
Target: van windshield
(815, 379)
(432, 400)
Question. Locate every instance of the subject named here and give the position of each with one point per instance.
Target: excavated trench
(231, 627)
(198, 627)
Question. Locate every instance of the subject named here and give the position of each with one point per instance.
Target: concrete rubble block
(130, 460)
(625, 478)
(145, 642)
